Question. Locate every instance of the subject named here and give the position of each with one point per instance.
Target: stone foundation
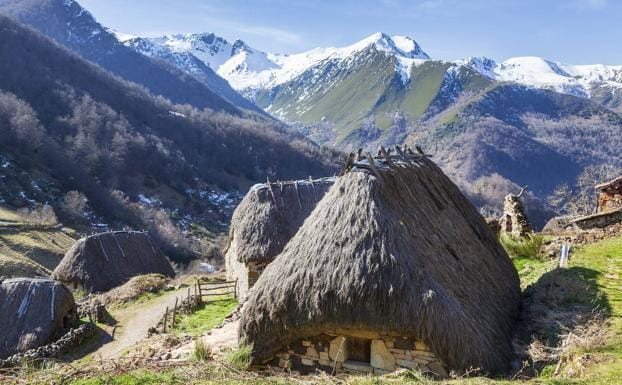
(359, 353)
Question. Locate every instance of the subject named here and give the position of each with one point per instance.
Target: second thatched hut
(103, 261)
(265, 220)
(394, 268)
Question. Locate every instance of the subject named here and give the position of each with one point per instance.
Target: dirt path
(133, 323)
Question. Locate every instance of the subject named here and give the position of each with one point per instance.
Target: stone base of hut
(246, 274)
(358, 353)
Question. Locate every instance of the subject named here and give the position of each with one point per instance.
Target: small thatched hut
(394, 268)
(103, 261)
(265, 220)
(33, 312)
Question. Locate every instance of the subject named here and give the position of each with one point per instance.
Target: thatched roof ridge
(270, 214)
(33, 312)
(611, 183)
(393, 247)
(106, 260)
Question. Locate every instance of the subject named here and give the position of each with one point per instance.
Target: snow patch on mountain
(537, 72)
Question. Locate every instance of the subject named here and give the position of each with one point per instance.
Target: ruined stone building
(514, 221)
(610, 195)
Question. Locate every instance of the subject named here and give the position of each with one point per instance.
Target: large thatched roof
(103, 261)
(270, 214)
(394, 249)
(33, 312)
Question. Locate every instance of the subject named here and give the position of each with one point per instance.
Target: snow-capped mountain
(578, 80)
(189, 62)
(248, 69)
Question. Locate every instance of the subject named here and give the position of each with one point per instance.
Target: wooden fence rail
(211, 289)
(203, 289)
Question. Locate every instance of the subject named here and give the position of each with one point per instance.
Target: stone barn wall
(358, 353)
(246, 274)
(608, 201)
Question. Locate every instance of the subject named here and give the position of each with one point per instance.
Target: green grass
(139, 377)
(529, 247)
(202, 350)
(206, 317)
(240, 358)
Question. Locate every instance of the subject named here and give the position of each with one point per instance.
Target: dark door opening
(359, 349)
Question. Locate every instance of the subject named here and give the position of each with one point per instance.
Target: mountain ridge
(69, 24)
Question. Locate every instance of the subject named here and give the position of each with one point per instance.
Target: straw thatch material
(393, 249)
(263, 223)
(270, 214)
(103, 261)
(33, 312)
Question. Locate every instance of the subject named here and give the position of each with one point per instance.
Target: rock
(407, 364)
(312, 353)
(438, 370)
(338, 349)
(358, 367)
(307, 362)
(381, 358)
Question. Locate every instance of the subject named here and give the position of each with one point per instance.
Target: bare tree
(41, 215)
(581, 198)
(74, 203)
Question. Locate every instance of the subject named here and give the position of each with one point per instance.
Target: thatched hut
(103, 261)
(33, 312)
(394, 268)
(265, 220)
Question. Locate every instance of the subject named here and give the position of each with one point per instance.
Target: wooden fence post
(235, 289)
(165, 317)
(174, 313)
(200, 293)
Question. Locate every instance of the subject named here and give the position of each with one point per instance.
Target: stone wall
(608, 201)
(576, 238)
(330, 352)
(75, 337)
(245, 274)
(600, 220)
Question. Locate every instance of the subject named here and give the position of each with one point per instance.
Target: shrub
(202, 351)
(528, 247)
(240, 358)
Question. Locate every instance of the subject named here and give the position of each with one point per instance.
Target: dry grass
(134, 289)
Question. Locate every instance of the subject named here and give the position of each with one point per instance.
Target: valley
(177, 207)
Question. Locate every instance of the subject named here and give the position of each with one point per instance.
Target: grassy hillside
(28, 250)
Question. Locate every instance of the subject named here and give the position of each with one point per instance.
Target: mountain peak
(399, 45)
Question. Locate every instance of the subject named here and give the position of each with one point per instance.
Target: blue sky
(571, 31)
